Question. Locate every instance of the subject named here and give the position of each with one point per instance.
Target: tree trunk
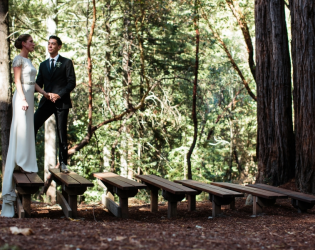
(50, 157)
(127, 93)
(194, 113)
(5, 83)
(275, 130)
(303, 55)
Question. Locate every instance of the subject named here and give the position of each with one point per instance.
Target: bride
(21, 152)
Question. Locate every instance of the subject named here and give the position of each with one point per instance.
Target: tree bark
(303, 55)
(194, 112)
(274, 102)
(5, 83)
(50, 157)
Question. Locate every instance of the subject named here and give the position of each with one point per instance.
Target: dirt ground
(280, 227)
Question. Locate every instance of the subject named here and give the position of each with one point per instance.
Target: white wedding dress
(21, 152)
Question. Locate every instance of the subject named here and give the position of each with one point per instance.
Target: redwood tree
(5, 86)
(275, 131)
(303, 55)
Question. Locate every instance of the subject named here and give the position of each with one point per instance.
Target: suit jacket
(60, 81)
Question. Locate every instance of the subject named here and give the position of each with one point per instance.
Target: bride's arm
(18, 84)
(40, 90)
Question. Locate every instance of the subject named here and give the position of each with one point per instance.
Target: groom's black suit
(61, 80)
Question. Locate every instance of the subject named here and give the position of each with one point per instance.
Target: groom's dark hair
(57, 39)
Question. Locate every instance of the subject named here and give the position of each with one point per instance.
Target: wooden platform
(72, 186)
(124, 188)
(218, 196)
(26, 185)
(300, 201)
(261, 197)
(171, 191)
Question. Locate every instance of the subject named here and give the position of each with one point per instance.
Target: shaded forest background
(136, 68)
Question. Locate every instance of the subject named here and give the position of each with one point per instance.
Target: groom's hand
(54, 97)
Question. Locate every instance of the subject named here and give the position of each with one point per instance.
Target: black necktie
(52, 65)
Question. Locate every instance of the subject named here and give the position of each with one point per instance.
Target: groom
(57, 76)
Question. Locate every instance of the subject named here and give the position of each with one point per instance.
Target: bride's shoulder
(17, 61)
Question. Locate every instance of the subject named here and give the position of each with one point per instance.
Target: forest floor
(280, 227)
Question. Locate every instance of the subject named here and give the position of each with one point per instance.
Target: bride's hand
(46, 95)
(24, 105)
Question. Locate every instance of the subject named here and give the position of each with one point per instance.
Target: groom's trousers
(42, 114)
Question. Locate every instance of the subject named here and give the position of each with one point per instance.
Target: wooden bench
(124, 188)
(300, 201)
(72, 186)
(218, 196)
(261, 198)
(26, 185)
(172, 192)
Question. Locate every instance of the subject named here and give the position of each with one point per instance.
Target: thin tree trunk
(232, 103)
(235, 8)
(303, 55)
(106, 152)
(50, 157)
(194, 113)
(235, 66)
(127, 93)
(89, 43)
(5, 83)
(275, 130)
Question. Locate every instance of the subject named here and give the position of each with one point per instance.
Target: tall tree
(275, 130)
(303, 56)
(5, 83)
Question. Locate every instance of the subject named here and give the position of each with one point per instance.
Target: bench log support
(19, 206)
(64, 205)
(259, 203)
(154, 197)
(191, 202)
(25, 194)
(70, 195)
(172, 202)
(191, 198)
(121, 210)
(301, 206)
(217, 202)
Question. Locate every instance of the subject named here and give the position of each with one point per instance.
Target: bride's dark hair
(21, 38)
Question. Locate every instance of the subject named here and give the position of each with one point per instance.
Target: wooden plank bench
(124, 188)
(26, 185)
(72, 186)
(300, 201)
(261, 198)
(218, 196)
(172, 192)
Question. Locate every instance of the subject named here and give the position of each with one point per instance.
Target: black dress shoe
(63, 168)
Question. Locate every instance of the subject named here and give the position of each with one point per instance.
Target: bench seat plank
(21, 180)
(292, 194)
(35, 179)
(250, 190)
(215, 190)
(65, 178)
(119, 181)
(81, 179)
(165, 184)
